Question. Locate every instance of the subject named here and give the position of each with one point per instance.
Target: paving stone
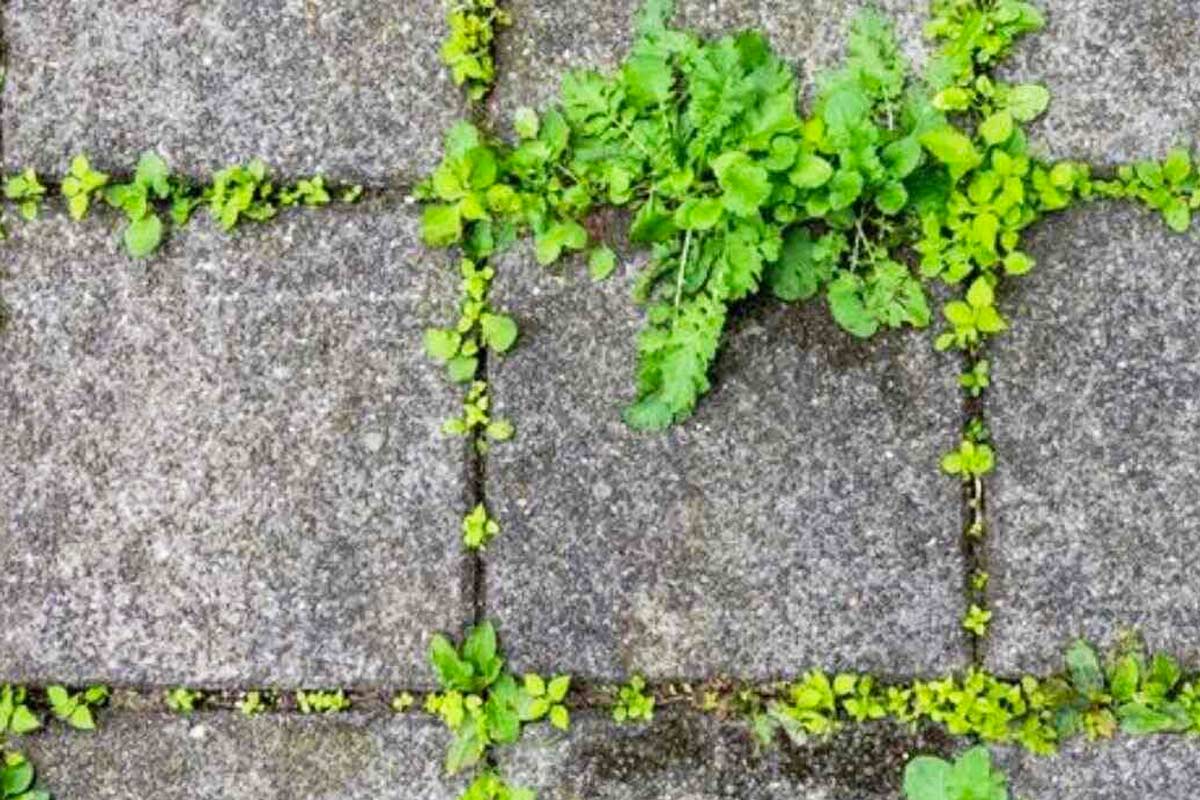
(1125, 77)
(351, 88)
(231, 757)
(548, 39)
(1159, 767)
(684, 756)
(223, 465)
(798, 519)
(1095, 510)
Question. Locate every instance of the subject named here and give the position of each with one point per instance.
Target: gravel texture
(352, 88)
(1095, 510)
(223, 465)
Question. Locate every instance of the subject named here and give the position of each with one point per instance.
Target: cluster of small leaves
(1171, 187)
(75, 708)
(255, 702)
(16, 716)
(322, 701)
(489, 786)
(974, 457)
(976, 620)
(633, 704)
(467, 50)
(1131, 692)
(479, 528)
(461, 348)
(182, 700)
(235, 194)
(482, 703)
(732, 188)
(970, 777)
(890, 182)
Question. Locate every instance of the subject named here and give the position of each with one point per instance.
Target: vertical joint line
(974, 534)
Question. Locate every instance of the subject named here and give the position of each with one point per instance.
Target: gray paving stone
(230, 757)
(683, 756)
(1158, 767)
(798, 519)
(1125, 77)
(549, 38)
(352, 88)
(223, 465)
(1095, 412)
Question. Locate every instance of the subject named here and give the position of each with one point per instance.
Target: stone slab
(685, 756)
(548, 39)
(1159, 767)
(231, 757)
(1125, 78)
(223, 465)
(351, 88)
(1095, 410)
(798, 519)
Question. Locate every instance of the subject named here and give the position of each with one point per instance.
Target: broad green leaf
(560, 717)
(1123, 681)
(845, 188)
(1178, 216)
(1028, 101)
(902, 157)
(746, 185)
(558, 687)
(499, 331)
(23, 720)
(699, 214)
(601, 263)
(441, 225)
(998, 128)
(58, 696)
(849, 311)
(892, 198)
(953, 149)
(462, 369)
(1084, 668)
(535, 685)
(526, 124)
(811, 172)
(1140, 719)
(1178, 166)
(81, 718)
(925, 778)
(153, 173)
(480, 646)
(442, 345)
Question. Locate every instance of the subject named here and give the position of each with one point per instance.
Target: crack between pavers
(974, 545)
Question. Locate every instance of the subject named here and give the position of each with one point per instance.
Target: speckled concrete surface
(1127, 768)
(1125, 78)
(231, 757)
(798, 519)
(353, 88)
(1095, 410)
(224, 465)
(685, 756)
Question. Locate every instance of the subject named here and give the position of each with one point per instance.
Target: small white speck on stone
(198, 732)
(373, 441)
